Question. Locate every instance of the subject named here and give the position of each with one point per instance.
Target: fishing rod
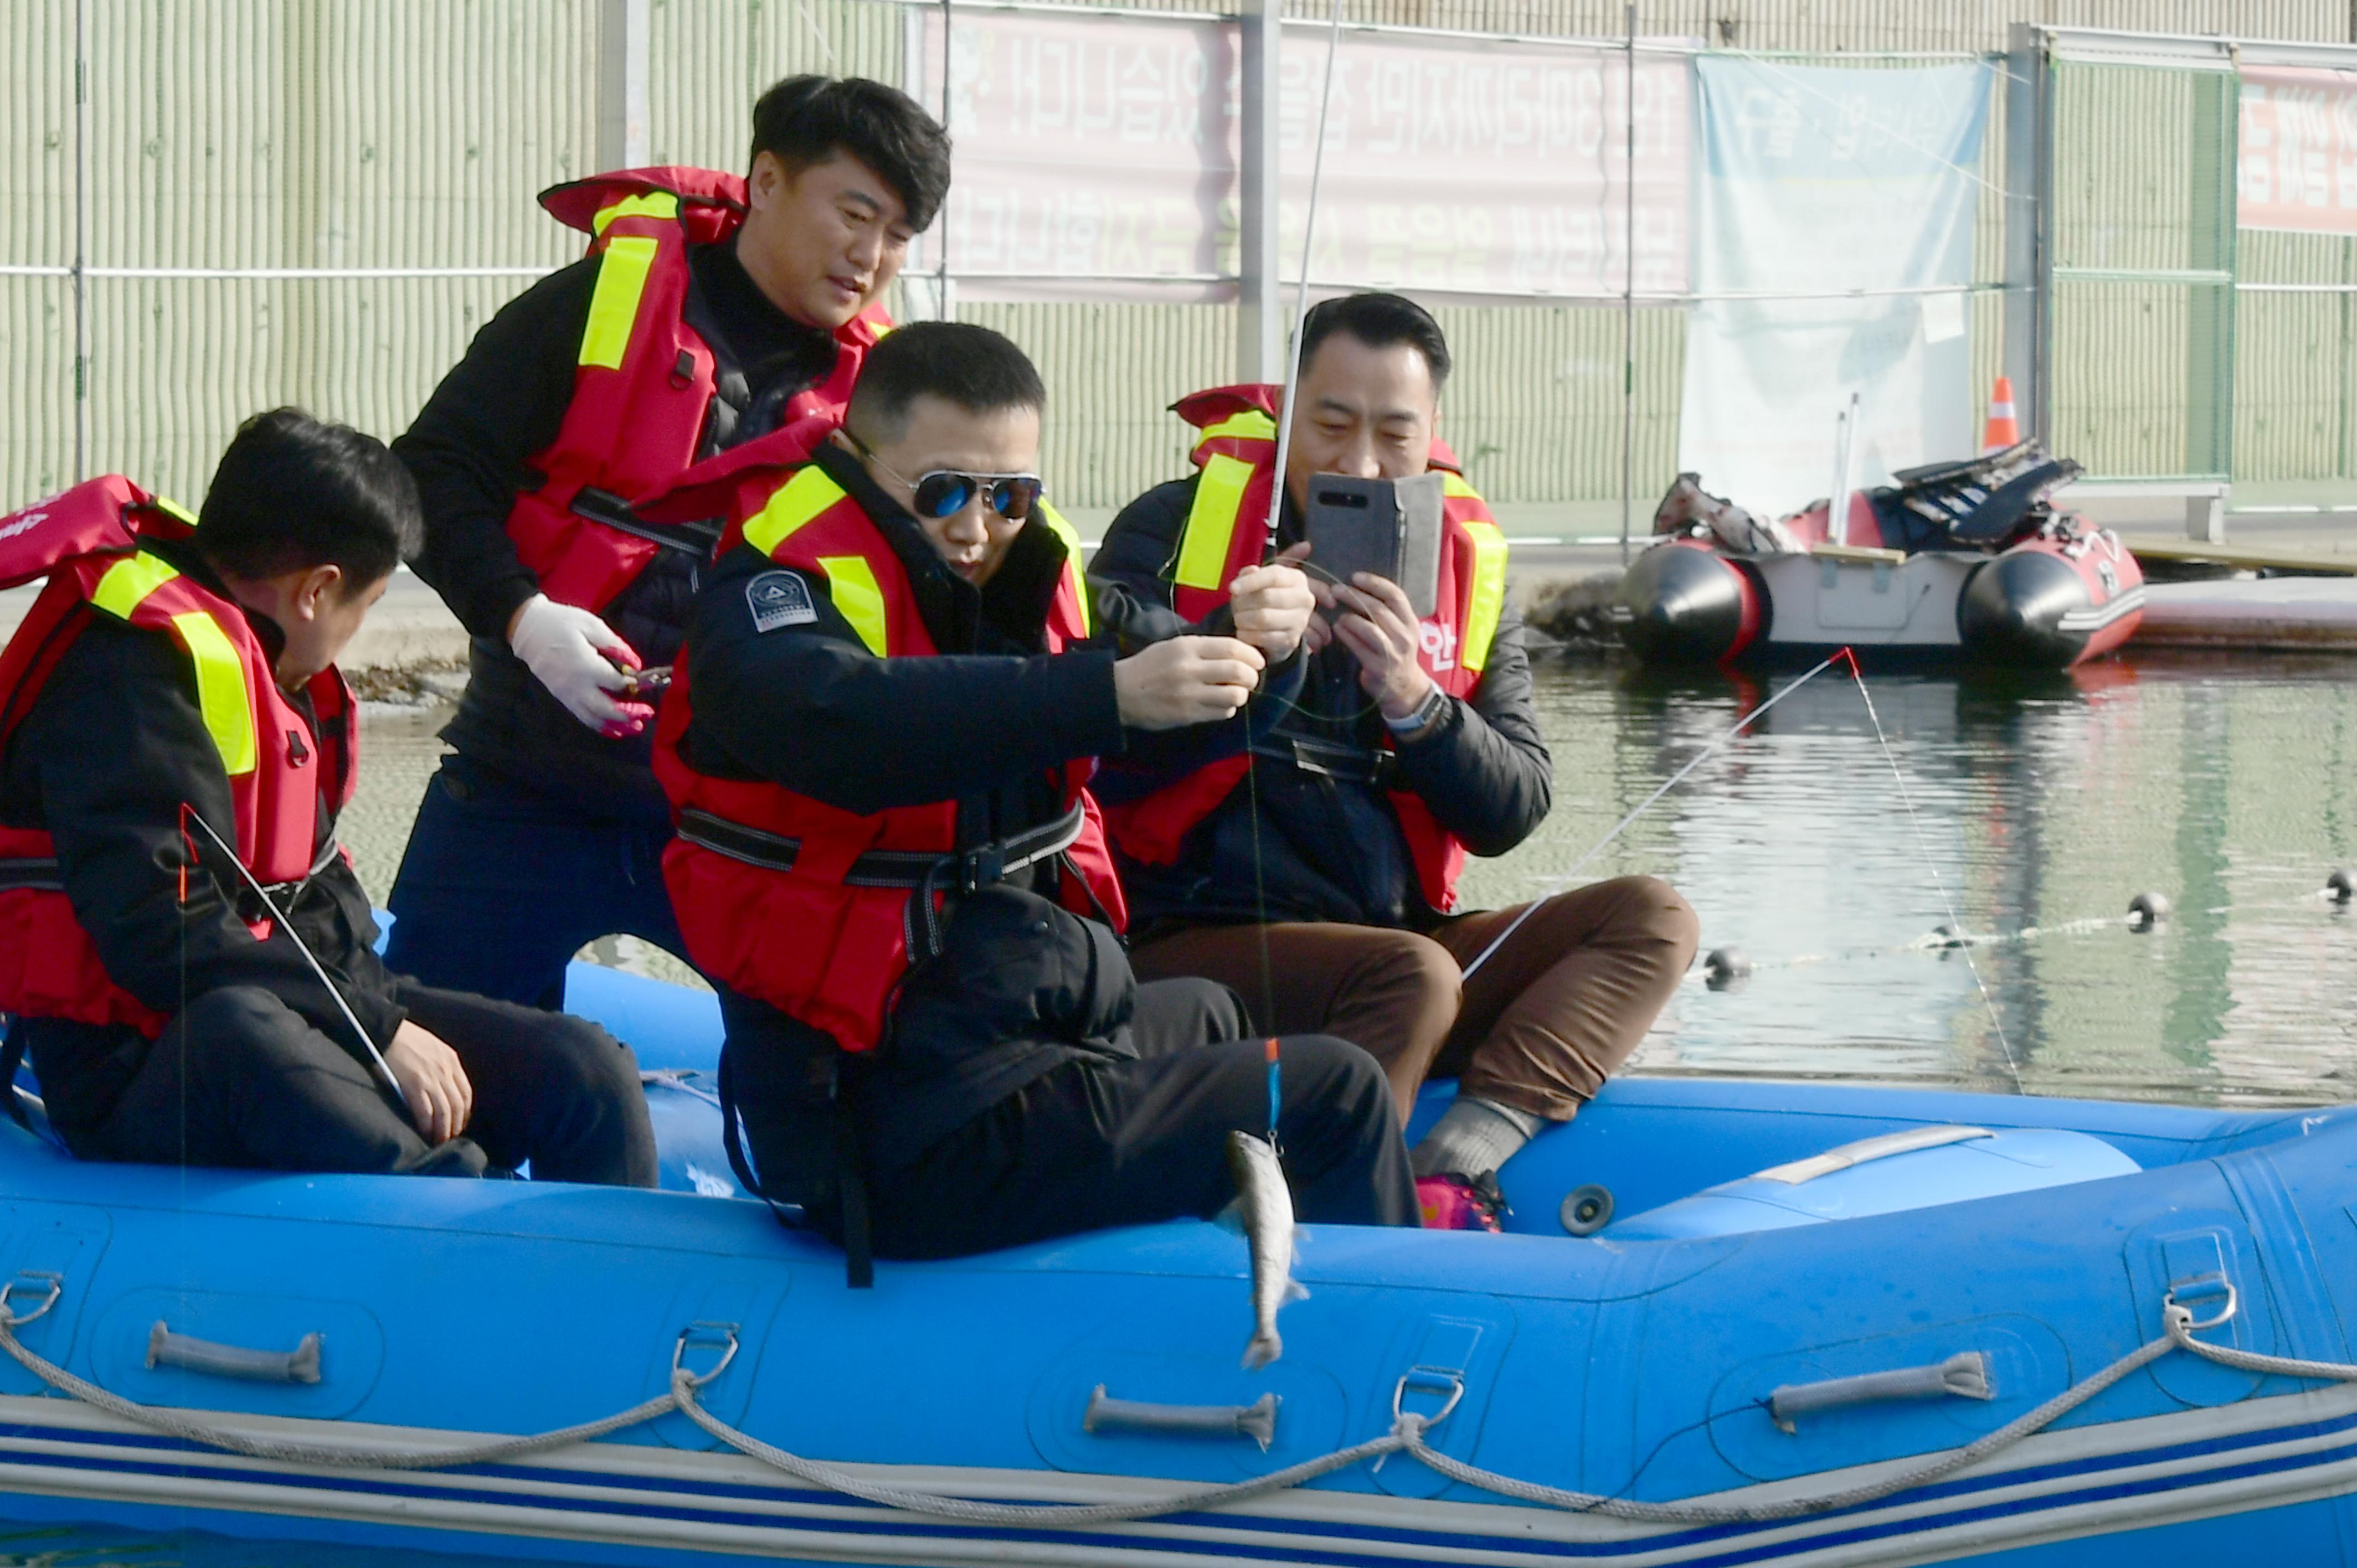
(1301, 290)
(1276, 509)
(280, 922)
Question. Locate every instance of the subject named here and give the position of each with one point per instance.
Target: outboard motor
(1683, 603)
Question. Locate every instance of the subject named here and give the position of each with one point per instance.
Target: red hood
(711, 203)
(1205, 409)
(95, 515)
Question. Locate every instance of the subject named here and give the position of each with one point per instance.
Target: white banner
(1817, 180)
(2297, 164)
(1098, 154)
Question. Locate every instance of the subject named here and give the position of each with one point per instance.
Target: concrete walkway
(2291, 614)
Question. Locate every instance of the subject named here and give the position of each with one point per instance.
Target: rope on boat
(1406, 1436)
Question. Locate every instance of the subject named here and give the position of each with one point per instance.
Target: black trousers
(240, 1079)
(1097, 1143)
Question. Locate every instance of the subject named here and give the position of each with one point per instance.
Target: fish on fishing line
(1263, 1212)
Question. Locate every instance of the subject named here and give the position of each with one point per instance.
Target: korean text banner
(1097, 156)
(2297, 167)
(1818, 180)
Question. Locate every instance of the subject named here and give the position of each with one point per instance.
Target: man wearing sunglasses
(711, 310)
(878, 745)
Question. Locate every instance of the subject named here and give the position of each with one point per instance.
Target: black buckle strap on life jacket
(40, 875)
(850, 1176)
(1333, 760)
(11, 1057)
(284, 894)
(851, 1194)
(965, 871)
(603, 507)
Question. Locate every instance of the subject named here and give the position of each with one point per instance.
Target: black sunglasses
(945, 492)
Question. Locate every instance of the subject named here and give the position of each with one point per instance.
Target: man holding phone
(1311, 862)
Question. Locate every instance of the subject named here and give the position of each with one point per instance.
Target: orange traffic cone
(2003, 429)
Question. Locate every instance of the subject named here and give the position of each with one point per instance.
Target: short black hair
(805, 120)
(980, 371)
(1378, 320)
(293, 492)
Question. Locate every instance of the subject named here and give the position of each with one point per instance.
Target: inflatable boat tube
(1815, 1337)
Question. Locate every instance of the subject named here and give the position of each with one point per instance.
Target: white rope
(1406, 1436)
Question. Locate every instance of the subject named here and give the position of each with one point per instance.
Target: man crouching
(184, 946)
(879, 745)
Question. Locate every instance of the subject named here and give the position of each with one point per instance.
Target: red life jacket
(87, 541)
(1224, 535)
(643, 382)
(778, 893)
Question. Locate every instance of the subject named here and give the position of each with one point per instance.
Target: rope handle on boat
(1406, 1436)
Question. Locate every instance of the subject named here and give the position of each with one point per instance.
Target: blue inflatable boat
(1805, 1324)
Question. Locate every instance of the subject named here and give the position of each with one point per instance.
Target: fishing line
(1923, 847)
(1276, 511)
(1564, 879)
(279, 922)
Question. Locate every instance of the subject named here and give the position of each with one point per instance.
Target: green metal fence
(345, 194)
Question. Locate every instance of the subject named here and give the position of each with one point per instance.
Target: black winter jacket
(1325, 848)
(468, 451)
(987, 723)
(112, 746)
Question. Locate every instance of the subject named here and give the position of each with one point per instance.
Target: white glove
(577, 657)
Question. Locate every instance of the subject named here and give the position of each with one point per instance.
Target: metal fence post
(623, 43)
(81, 258)
(2029, 206)
(1260, 316)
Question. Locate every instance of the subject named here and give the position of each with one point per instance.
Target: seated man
(178, 744)
(1326, 892)
(877, 745)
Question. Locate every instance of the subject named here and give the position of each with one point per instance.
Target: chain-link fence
(217, 208)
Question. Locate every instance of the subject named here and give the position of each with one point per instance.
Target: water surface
(2227, 784)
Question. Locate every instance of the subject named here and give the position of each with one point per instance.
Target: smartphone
(1388, 526)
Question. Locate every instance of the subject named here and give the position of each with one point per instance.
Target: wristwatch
(1423, 715)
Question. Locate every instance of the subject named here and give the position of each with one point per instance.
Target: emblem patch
(780, 599)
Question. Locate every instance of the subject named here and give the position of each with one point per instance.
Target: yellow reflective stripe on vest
(1487, 599)
(1071, 538)
(171, 508)
(614, 308)
(654, 204)
(128, 582)
(1249, 425)
(851, 583)
(790, 505)
(221, 690)
(221, 695)
(1212, 524)
(1455, 488)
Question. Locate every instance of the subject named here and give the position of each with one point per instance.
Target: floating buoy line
(1725, 968)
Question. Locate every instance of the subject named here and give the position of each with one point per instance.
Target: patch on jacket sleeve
(780, 599)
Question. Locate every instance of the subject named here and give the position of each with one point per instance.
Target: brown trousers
(1539, 1026)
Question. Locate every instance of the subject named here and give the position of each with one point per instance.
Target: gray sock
(1472, 1138)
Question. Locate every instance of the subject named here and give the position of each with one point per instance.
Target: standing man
(1325, 893)
(710, 310)
(175, 734)
(887, 859)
